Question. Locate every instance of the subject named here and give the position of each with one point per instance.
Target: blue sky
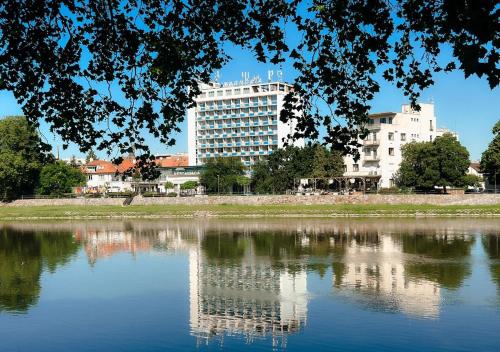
(467, 106)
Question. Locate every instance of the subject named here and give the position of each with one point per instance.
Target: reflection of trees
(491, 244)
(23, 257)
(226, 246)
(436, 250)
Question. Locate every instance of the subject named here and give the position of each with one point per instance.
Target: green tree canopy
(22, 155)
(59, 178)
(443, 162)
(283, 166)
(169, 185)
(490, 160)
(59, 58)
(189, 185)
(222, 174)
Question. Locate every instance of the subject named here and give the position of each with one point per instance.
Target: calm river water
(294, 285)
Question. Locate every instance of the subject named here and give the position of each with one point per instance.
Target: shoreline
(328, 211)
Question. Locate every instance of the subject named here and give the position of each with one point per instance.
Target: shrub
(152, 194)
(172, 194)
(389, 190)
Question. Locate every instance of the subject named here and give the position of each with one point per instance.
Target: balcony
(371, 158)
(371, 142)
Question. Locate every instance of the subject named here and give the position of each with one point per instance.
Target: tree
(22, 155)
(60, 59)
(188, 185)
(443, 162)
(169, 185)
(326, 164)
(59, 178)
(472, 181)
(90, 156)
(281, 169)
(490, 160)
(220, 175)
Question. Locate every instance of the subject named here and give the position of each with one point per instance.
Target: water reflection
(401, 272)
(251, 279)
(24, 255)
(491, 244)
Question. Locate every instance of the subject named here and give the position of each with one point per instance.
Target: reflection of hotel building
(379, 271)
(251, 298)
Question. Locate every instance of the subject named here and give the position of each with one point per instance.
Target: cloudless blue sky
(467, 106)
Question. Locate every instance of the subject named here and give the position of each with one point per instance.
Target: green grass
(137, 211)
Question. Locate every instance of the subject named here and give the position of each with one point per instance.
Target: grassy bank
(166, 211)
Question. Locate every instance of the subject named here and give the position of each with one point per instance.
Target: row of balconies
(236, 106)
(237, 134)
(236, 116)
(240, 153)
(202, 127)
(239, 144)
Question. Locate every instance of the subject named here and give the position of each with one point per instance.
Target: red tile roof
(101, 167)
(172, 161)
(107, 167)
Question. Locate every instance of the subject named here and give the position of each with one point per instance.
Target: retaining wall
(62, 202)
(448, 199)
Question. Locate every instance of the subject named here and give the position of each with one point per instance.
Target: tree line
(441, 163)
(275, 174)
(26, 165)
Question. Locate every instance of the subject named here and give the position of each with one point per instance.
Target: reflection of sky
(477, 288)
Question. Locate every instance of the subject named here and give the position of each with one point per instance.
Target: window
(403, 137)
(391, 136)
(345, 168)
(390, 120)
(391, 151)
(211, 94)
(371, 121)
(374, 136)
(355, 167)
(383, 120)
(219, 93)
(228, 91)
(431, 127)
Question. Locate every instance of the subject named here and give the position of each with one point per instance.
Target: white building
(380, 154)
(240, 119)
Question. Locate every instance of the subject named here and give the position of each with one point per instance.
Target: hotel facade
(239, 119)
(380, 153)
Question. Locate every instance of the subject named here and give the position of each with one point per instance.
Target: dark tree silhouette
(63, 60)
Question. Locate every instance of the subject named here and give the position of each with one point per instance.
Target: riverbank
(245, 211)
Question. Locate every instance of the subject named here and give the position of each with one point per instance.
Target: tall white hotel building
(239, 119)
